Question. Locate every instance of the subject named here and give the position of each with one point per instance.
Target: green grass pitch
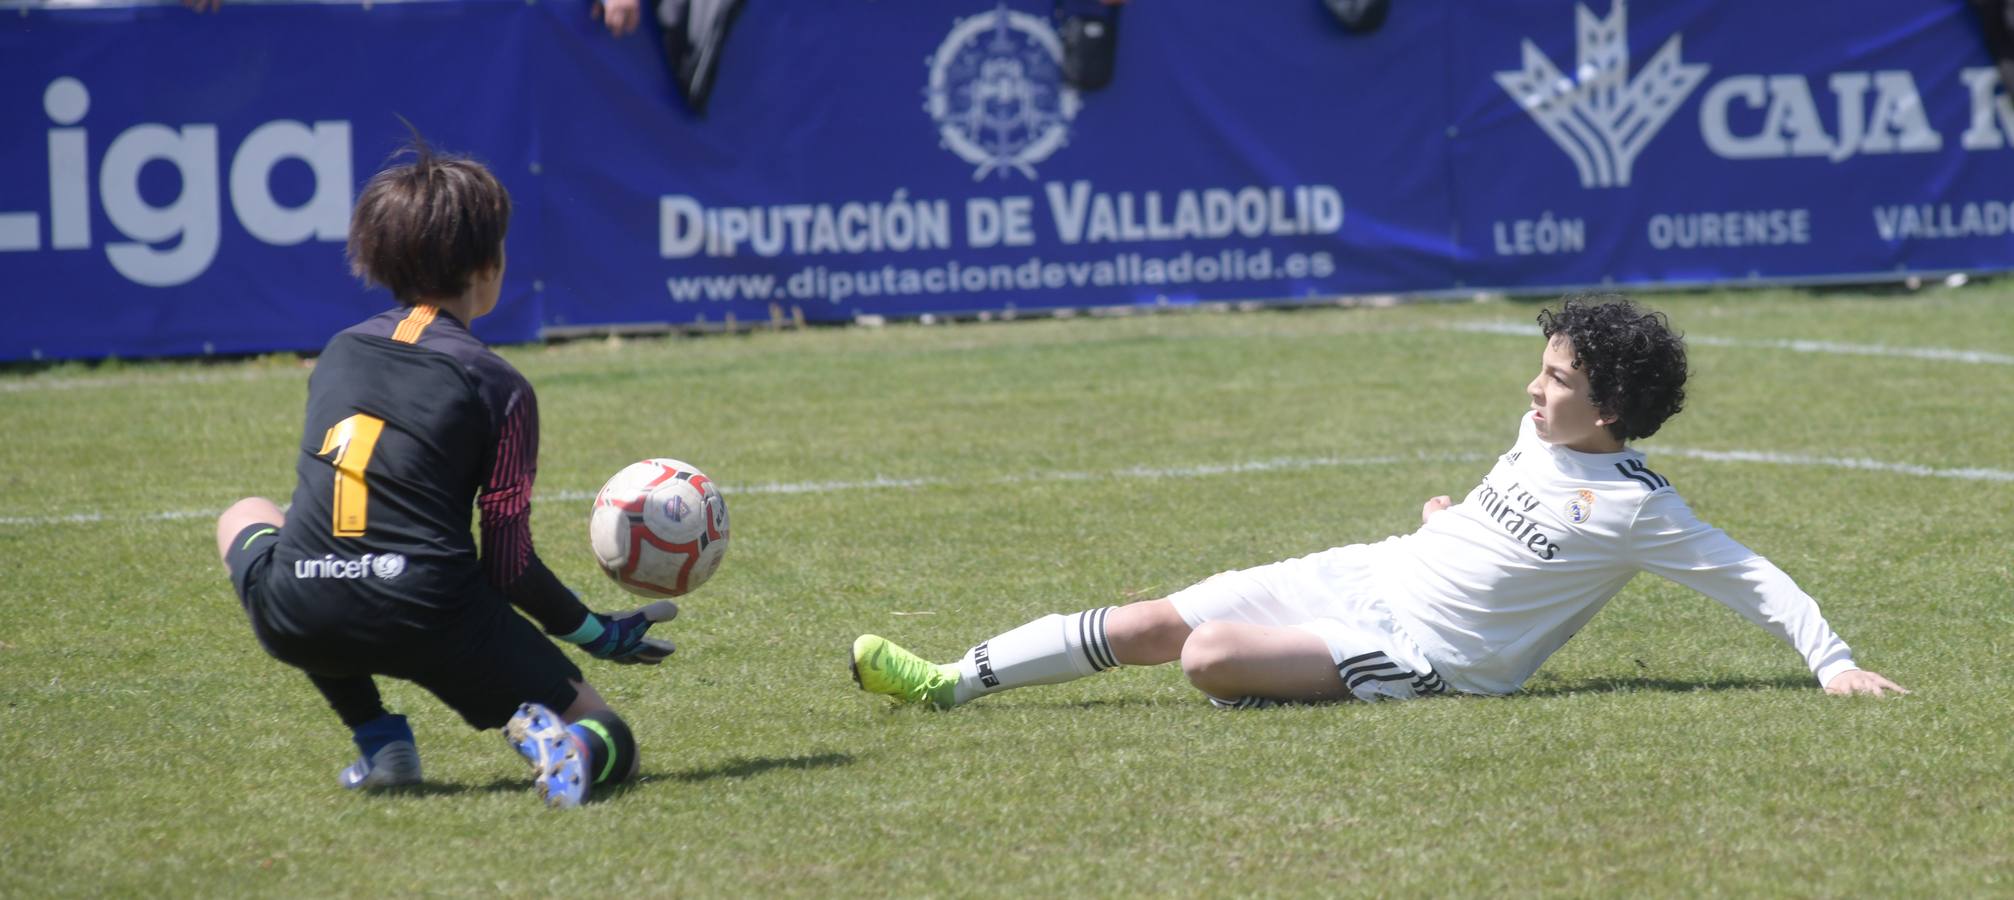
(939, 484)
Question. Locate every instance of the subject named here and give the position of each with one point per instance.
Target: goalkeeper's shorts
(482, 660)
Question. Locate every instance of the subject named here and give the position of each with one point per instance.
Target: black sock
(611, 749)
(353, 697)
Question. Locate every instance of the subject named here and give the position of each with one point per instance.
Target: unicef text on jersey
(385, 566)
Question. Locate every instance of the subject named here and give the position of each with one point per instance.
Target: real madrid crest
(1580, 506)
(997, 94)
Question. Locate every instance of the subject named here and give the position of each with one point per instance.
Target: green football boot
(881, 667)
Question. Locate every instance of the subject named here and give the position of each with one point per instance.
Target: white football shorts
(1329, 595)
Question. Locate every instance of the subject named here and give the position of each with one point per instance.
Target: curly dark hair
(1635, 362)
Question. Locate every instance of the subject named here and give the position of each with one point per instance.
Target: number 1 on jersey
(351, 441)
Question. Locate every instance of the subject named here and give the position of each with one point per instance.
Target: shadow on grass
(1636, 685)
(742, 767)
(1032, 702)
(445, 789)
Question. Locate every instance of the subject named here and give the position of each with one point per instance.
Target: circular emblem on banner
(997, 94)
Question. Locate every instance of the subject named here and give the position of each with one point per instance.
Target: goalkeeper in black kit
(374, 569)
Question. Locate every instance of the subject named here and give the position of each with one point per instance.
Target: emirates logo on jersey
(1580, 507)
(1514, 509)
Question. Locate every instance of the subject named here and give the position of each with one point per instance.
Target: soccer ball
(659, 528)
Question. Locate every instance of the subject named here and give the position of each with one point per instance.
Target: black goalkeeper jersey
(411, 424)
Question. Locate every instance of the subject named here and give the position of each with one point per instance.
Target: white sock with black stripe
(1374, 675)
(1049, 650)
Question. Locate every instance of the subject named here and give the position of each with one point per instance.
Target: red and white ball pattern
(659, 528)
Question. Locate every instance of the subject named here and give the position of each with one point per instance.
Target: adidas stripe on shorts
(1328, 595)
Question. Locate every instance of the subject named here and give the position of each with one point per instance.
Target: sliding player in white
(1474, 601)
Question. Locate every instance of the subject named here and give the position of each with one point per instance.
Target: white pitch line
(1209, 470)
(1933, 354)
(1520, 329)
(1835, 462)
(238, 373)
(881, 483)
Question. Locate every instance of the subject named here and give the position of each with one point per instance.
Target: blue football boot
(557, 760)
(394, 762)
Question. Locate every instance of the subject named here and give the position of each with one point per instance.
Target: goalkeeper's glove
(619, 637)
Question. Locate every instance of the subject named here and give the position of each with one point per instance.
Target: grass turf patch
(942, 484)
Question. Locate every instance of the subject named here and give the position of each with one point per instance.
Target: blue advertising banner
(910, 157)
(174, 183)
(1714, 142)
(180, 184)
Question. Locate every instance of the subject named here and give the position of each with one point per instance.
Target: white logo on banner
(1600, 116)
(997, 94)
(172, 243)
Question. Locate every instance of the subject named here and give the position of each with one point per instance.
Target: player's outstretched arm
(1433, 506)
(1861, 681)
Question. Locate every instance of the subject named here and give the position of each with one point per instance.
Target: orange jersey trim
(415, 322)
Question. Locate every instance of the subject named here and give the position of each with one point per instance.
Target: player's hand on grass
(1861, 681)
(622, 638)
(1433, 506)
(621, 16)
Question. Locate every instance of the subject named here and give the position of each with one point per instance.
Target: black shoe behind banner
(693, 32)
(1089, 31)
(1360, 16)
(1996, 18)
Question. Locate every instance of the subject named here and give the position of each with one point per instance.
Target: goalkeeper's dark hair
(1635, 362)
(426, 227)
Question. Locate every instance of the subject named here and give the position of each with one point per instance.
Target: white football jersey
(1493, 585)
